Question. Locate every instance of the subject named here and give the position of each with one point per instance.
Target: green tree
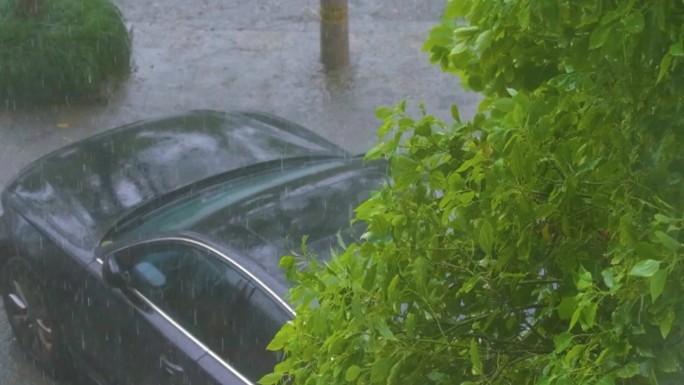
(539, 243)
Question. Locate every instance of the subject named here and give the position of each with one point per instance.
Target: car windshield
(267, 215)
(274, 222)
(184, 213)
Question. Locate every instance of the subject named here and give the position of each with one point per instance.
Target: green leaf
(609, 16)
(270, 379)
(657, 284)
(375, 152)
(588, 315)
(286, 261)
(634, 23)
(606, 380)
(628, 371)
(383, 112)
(584, 280)
(421, 267)
(404, 170)
(660, 218)
(369, 278)
(676, 49)
(465, 197)
(398, 221)
(483, 41)
(524, 18)
(440, 36)
(385, 129)
(282, 337)
(393, 377)
(469, 284)
(392, 289)
(424, 129)
(455, 114)
(667, 241)
(562, 341)
(381, 369)
(504, 104)
(456, 8)
(608, 278)
(645, 268)
(567, 82)
(664, 67)
(437, 180)
(599, 36)
(352, 373)
(567, 307)
(384, 330)
(575, 317)
(474, 161)
(666, 322)
(486, 238)
(475, 359)
(573, 353)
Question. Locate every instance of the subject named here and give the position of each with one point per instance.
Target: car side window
(212, 300)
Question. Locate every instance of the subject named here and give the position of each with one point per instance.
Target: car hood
(81, 190)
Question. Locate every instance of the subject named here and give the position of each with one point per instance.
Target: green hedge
(68, 51)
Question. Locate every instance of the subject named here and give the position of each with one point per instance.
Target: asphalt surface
(244, 54)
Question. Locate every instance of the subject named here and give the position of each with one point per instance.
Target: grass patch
(68, 51)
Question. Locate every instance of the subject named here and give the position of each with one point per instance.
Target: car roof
(77, 193)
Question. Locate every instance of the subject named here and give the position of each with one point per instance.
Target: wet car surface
(150, 253)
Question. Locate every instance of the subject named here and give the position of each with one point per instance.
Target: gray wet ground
(244, 54)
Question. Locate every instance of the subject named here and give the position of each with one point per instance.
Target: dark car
(149, 254)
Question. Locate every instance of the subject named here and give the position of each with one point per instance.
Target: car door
(123, 338)
(201, 317)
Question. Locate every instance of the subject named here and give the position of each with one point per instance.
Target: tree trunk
(334, 34)
(29, 7)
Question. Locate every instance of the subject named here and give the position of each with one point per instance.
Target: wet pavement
(244, 54)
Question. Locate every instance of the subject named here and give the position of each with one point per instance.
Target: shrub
(539, 243)
(62, 50)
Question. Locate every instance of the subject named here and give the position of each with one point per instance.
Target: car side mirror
(112, 273)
